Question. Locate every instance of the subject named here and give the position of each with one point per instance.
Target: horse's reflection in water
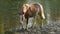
(28, 14)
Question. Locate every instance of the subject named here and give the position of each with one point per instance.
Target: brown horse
(31, 10)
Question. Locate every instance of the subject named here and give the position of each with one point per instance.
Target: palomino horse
(31, 10)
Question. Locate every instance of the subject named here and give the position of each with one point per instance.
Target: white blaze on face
(25, 7)
(21, 21)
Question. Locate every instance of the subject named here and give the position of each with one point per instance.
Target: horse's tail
(42, 12)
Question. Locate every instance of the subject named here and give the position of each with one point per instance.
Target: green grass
(39, 20)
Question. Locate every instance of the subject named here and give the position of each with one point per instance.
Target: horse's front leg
(34, 22)
(30, 22)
